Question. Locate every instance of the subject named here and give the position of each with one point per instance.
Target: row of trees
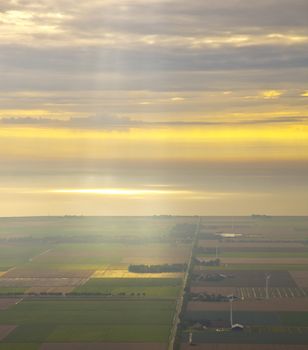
(214, 262)
(157, 268)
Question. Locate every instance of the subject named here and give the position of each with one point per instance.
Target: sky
(148, 107)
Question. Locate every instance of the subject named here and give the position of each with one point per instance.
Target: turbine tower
(231, 310)
(267, 278)
(190, 338)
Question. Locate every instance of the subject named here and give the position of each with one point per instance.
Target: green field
(19, 346)
(12, 290)
(156, 287)
(85, 320)
(12, 254)
(78, 227)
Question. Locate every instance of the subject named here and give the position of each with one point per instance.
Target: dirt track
(6, 303)
(6, 330)
(300, 277)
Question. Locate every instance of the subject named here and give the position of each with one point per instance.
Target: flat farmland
(296, 304)
(266, 261)
(99, 346)
(13, 254)
(258, 266)
(5, 330)
(87, 259)
(257, 228)
(300, 277)
(146, 287)
(245, 347)
(222, 318)
(257, 336)
(12, 290)
(246, 278)
(260, 254)
(87, 321)
(28, 272)
(230, 245)
(19, 346)
(75, 228)
(91, 257)
(123, 273)
(213, 290)
(261, 246)
(6, 303)
(247, 318)
(21, 285)
(254, 292)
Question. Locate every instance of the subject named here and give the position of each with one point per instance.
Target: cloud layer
(204, 96)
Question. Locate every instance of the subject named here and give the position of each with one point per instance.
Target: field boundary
(172, 344)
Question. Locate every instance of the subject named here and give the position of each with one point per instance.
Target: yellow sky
(204, 142)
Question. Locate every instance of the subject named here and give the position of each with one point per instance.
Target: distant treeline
(208, 297)
(183, 231)
(214, 262)
(157, 268)
(84, 239)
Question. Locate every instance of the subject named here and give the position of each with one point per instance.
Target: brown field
(261, 260)
(5, 330)
(239, 245)
(42, 289)
(244, 347)
(6, 303)
(300, 277)
(103, 346)
(246, 278)
(42, 282)
(294, 304)
(46, 273)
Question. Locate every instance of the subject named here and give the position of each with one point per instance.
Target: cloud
(114, 122)
(271, 94)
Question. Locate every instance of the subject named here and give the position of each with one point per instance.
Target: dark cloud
(95, 59)
(187, 18)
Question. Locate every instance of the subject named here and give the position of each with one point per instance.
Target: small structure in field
(234, 326)
(191, 339)
(230, 235)
(237, 327)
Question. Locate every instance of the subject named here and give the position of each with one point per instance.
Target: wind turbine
(235, 326)
(267, 278)
(231, 299)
